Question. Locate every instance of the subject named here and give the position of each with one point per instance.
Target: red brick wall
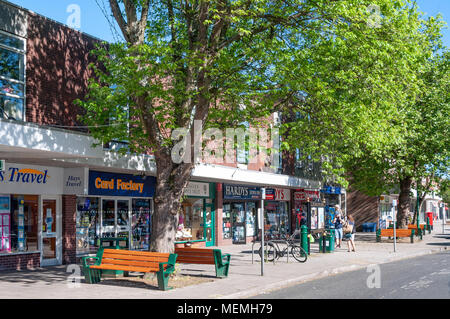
(69, 249)
(20, 261)
(57, 71)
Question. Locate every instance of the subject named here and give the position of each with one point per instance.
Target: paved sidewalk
(244, 280)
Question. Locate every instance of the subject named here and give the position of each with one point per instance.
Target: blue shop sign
(241, 192)
(113, 184)
(331, 190)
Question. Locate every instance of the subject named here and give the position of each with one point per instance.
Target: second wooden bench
(205, 256)
(398, 233)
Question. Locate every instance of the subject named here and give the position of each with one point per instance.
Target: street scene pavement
(244, 280)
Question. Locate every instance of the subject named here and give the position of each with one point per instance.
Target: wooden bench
(205, 256)
(419, 231)
(163, 264)
(398, 233)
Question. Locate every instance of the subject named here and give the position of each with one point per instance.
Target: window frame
(23, 53)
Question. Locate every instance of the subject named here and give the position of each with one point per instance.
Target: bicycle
(272, 250)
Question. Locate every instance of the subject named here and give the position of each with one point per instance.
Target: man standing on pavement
(338, 224)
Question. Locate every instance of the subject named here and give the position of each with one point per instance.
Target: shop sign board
(75, 181)
(278, 194)
(197, 189)
(241, 192)
(304, 194)
(116, 184)
(31, 179)
(331, 190)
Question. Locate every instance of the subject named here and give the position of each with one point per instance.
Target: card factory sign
(112, 184)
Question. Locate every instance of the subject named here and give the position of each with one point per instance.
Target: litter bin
(326, 241)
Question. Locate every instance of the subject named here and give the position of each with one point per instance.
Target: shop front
(30, 216)
(116, 205)
(301, 199)
(196, 224)
(239, 215)
(276, 212)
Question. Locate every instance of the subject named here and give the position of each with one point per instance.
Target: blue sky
(94, 22)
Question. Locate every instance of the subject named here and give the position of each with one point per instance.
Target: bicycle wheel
(299, 254)
(269, 251)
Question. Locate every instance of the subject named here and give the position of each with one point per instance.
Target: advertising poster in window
(4, 224)
(321, 217)
(314, 218)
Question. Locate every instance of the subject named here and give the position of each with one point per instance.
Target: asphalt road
(425, 277)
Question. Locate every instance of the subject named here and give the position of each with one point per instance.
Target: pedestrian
(351, 235)
(338, 224)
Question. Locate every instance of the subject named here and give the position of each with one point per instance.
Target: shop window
(12, 77)
(191, 221)
(251, 219)
(141, 224)
(226, 220)
(19, 223)
(277, 219)
(88, 225)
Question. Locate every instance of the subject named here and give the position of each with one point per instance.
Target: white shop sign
(76, 180)
(282, 194)
(31, 179)
(197, 189)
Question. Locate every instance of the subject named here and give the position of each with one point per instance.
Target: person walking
(338, 224)
(351, 235)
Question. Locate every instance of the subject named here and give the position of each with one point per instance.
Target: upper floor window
(12, 77)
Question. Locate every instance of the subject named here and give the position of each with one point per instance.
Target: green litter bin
(326, 241)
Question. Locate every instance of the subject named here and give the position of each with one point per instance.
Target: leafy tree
(219, 62)
(375, 110)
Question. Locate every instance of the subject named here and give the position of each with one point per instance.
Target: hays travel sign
(31, 179)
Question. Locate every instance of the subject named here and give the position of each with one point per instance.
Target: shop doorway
(115, 218)
(238, 218)
(50, 241)
(209, 225)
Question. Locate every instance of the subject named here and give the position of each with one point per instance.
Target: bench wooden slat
(135, 253)
(137, 258)
(130, 263)
(195, 260)
(198, 250)
(125, 268)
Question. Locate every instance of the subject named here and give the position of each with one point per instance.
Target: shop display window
(251, 219)
(88, 225)
(141, 224)
(191, 221)
(226, 220)
(19, 223)
(276, 219)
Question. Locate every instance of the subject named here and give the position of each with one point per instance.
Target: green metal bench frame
(93, 276)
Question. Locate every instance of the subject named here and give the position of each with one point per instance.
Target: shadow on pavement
(48, 275)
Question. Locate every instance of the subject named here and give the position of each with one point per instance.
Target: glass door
(51, 232)
(123, 219)
(209, 225)
(108, 218)
(238, 220)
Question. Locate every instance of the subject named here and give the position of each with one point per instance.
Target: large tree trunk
(404, 202)
(171, 179)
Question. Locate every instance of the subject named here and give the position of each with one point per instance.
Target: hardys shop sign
(113, 184)
(241, 192)
(30, 179)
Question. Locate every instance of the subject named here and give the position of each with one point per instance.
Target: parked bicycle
(273, 251)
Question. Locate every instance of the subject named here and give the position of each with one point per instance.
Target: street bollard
(304, 238)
